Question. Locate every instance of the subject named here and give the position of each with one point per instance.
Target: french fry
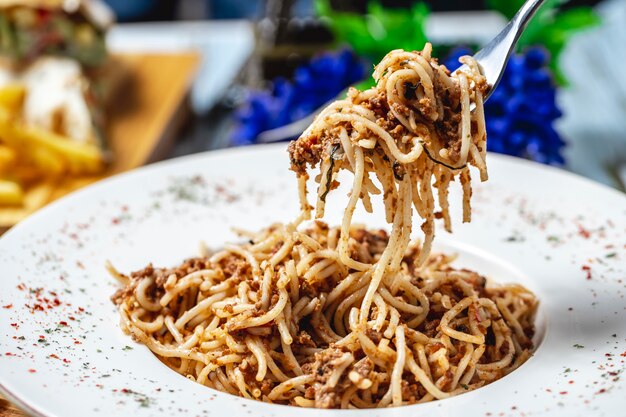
(81, 158)
(46, 161)
(7, 131)
(33, 157)
(11, 194)
(12, 97)
(75, 157)
(8, 157)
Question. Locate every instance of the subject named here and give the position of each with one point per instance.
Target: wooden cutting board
(142, 122)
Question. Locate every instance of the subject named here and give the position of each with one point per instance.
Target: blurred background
(560, 102)
(199, 75)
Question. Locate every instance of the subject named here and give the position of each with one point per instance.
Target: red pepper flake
(602, 391)
(66, 360)
(587, 269)
(9, 354)
(571, 382)
(72, 318)
(52, 293)
(623, 354)
(563, 392)
(115, 220)
(583, 232)
(548, 390)
(17, 326)
(21, 287)
(62, 323)
(125, 390)
(80, 265)
(53, 356)
(32, 371)
(8, 306)
(82, 310)
(77, 342)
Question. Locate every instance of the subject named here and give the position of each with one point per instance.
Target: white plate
(562, 236)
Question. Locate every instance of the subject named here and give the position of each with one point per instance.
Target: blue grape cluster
(521, 112)
(313, 84)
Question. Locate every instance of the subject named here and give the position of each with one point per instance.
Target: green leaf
(550, 27)
(509, 7)
(380, 30)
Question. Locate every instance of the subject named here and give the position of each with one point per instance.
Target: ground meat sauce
(443, 128)
(160, 276)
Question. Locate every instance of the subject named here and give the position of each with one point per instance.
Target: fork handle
(493, 56)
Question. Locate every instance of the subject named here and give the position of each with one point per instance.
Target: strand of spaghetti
(343, 249)
(198, 308)
(164, 351)
(266, 286)
(471, 368)
(149, 327)
(381, 267)
(389, 60)
(466, 132)
(343, 362)
(274, 369)
(399, 304)
(381, 312)
(463, 364)
(398, 367)
(407, 225)
(403, 158)
(394, 320)
(391, 84)
(256, 270)
(467, 194)
(289, 384)
(478, 339)
(265, 318)
(260, 358)
(171, 327)
(423, 379)
(143, 299)
(121, 278)
(182, 285)
(291, 359)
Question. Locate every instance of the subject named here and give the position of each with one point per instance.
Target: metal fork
(491, 59)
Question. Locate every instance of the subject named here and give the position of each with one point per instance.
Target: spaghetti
(345, 317)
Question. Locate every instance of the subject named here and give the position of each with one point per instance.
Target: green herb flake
(144, 402)
(578, 346)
